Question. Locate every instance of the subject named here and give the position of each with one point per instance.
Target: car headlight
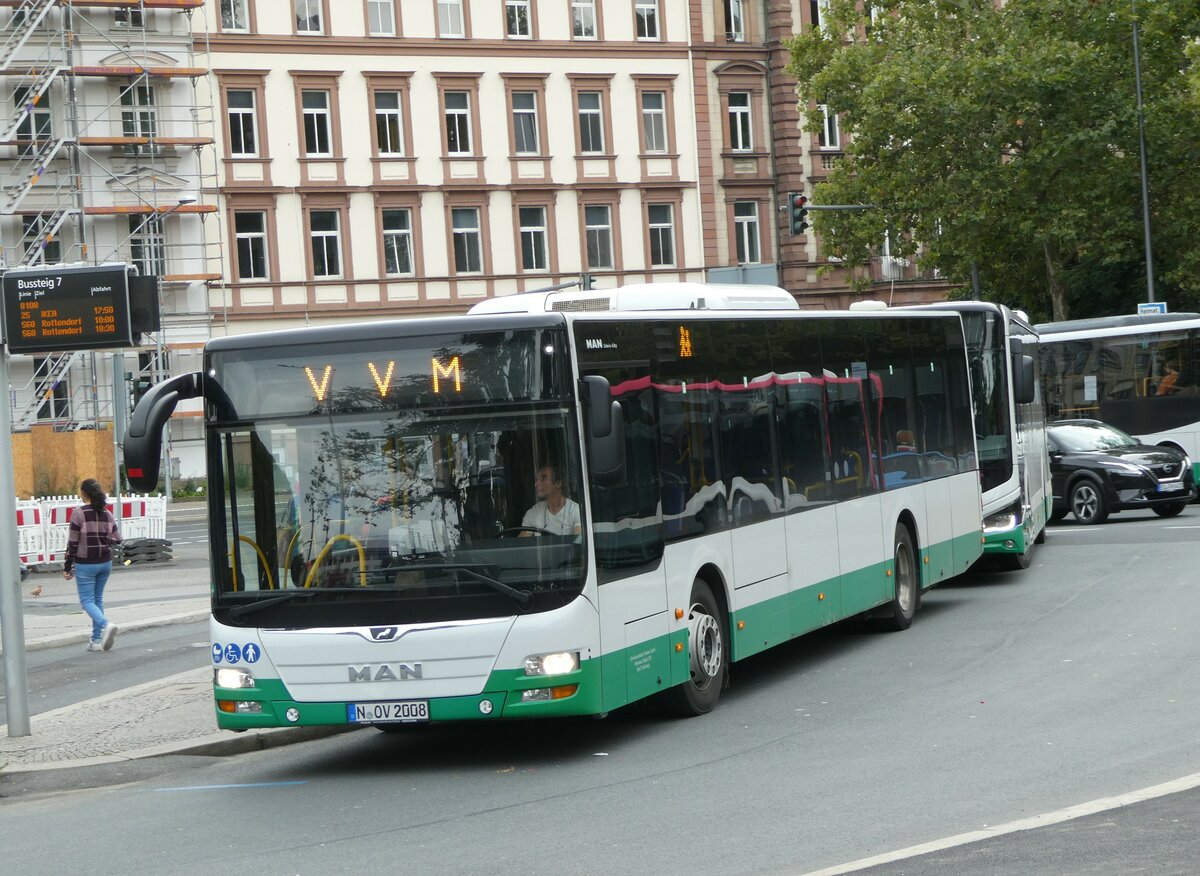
(1124, 468)
(232, 678)
(552, 664)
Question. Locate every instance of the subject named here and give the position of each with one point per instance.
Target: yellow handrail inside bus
(362, 559)
(262, 557)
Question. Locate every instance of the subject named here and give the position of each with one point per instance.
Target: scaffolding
(106, 121)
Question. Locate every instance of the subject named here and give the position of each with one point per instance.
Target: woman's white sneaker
(94, 646)
(106, 637)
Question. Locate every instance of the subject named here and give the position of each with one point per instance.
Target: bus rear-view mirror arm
(606, 431)
(143, 438)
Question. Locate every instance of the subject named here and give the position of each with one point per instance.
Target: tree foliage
(1006, 137)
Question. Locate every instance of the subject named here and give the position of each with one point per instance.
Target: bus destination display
(54, 309)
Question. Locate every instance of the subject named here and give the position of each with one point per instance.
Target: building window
(745, 224)
(741, 133)
(458, 123)
(326, 237)
(583, 19)
(468, 241)
(381, 18)
(147, 246)
(139, 117)
(128, 18)
(37, 125)
(654, 121)
(829, 137)
(533, 238)
(662, 235)
(735, 21)
(308, 17)
(37, 249)
(397, 242)
(818, 10)
(316, 123)
(525, 123)
(517, 20)
(250, 230)
(235, 15)
(591, 122)
(451, 22)
(243, 123)
(388, 125)
(597, 222)
(646, 14)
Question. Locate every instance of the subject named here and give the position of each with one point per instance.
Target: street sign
(49, 310)
(1148, 307)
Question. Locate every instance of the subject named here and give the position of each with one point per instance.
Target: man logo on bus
(452, 369)
(385, 672)
(383, 634)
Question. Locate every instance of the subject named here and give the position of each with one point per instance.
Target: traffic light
(797, 212)
(138, 387)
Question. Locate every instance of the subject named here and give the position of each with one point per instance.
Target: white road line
(1181, 527)
(1070, 813)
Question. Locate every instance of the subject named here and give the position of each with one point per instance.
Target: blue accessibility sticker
(218, 650)
(232, 653)
(251, 652)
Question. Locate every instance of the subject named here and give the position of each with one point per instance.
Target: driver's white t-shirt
(565, 522)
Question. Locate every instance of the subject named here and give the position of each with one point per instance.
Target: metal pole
(1137, 78)
(119, 402)
(975, 282)
(12, 620)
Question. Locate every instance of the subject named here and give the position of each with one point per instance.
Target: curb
(223, 743)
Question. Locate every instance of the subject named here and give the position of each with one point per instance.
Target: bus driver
(553, 512)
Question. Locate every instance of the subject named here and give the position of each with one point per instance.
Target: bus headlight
(232, 678)
(552, 664)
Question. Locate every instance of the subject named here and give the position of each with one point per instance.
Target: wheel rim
(707, 650)
(905, 579)
(1085, 502)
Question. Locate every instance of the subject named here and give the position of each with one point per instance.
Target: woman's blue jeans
(90, 579)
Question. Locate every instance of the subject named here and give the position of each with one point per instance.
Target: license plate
(1169, 488)
(397, 712)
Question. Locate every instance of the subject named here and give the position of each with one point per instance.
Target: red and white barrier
(43, 525)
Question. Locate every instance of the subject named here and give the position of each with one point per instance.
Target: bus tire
(1016, 562)
(907, 580)
(1087, 502)
(708, 655)
(1172, 510)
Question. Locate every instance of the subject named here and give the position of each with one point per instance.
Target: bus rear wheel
(905, 575)
(708, 655)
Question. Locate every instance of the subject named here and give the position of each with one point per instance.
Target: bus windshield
(988, 359)
(427, 512)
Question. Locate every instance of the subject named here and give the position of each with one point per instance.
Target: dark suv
(1096, 469)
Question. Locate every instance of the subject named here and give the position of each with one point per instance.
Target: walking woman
(89, 560)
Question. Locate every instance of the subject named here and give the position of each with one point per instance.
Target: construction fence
(43, 524)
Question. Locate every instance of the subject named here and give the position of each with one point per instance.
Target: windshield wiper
(523, 598)
(287, 596)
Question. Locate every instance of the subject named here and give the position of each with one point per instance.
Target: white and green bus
(1010, 429)
(1140, 373)
(568, 506)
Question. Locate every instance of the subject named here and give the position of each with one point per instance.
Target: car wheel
(1087, 502)
(1172, 510)
(708, 655)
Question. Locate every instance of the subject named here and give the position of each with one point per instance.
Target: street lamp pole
(1137, 78)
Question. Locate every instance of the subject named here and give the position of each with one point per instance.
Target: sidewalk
(172, 715)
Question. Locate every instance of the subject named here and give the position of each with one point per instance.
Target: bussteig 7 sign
(56, 309)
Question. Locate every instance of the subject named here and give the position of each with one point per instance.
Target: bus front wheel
(908, 586)
(708, 655)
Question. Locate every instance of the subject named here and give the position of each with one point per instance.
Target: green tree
(1006, 136)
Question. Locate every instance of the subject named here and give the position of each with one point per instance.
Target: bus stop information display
(56, 309)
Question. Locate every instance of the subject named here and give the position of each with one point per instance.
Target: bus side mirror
(1023, 379)
(143, 438)
(605, 432)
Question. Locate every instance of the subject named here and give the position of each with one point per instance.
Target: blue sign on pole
(1149, 307)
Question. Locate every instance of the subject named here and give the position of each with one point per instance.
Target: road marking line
(1070, 813)
(224, 787)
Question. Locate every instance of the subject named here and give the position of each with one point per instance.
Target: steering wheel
(517, 530)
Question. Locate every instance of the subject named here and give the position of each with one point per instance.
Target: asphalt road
(1014, 696)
